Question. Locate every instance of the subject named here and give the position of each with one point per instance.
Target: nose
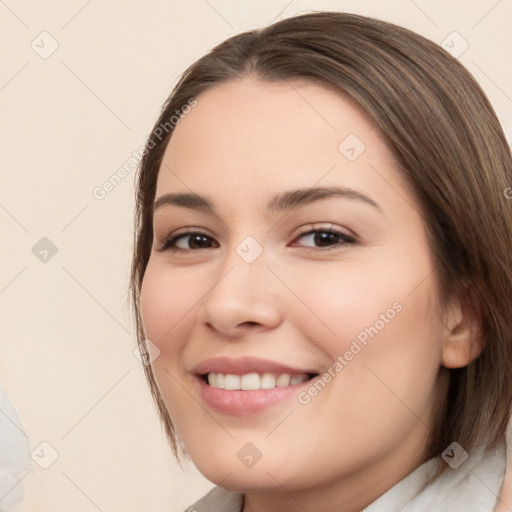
(244, 297)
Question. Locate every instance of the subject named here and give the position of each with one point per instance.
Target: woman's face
(335, 280)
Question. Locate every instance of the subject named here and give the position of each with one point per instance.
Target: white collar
(472, 487)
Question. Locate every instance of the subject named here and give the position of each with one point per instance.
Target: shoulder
(218, 500)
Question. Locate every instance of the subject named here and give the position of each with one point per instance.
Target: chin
(244, 481)
(264, 476)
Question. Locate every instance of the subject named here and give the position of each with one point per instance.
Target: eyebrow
(282, 202)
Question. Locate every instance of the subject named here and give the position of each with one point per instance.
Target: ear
(463, 339)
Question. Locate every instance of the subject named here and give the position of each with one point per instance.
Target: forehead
(271, 135)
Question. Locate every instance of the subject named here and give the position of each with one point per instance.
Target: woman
(322, 272)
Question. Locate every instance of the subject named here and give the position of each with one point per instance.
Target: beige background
(69, 121)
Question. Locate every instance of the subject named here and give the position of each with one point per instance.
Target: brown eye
(326, 238)
(187, 242)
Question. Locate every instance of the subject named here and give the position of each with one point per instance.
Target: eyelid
(328, 226)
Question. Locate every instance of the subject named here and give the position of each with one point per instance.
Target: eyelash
(168, 243)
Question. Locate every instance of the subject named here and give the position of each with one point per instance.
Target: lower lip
(242, 403)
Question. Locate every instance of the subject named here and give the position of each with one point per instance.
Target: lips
(248, 385)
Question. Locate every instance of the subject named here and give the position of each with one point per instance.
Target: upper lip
(243, 365)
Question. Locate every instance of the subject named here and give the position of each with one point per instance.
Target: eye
(329, 238)
(188, 241)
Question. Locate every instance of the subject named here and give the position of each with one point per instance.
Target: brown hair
(449, 144)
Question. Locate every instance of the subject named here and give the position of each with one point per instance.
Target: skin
(298, 303)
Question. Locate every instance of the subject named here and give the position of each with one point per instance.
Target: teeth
(250, 381)
(268, 381)
(297, 379)
(231, 381)
(253, 380)
(283, 380)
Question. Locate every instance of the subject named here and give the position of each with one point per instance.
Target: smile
(248, 385)
(253, 381)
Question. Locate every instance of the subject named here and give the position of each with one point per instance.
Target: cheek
(166, 303)
(391, 356)
(381, 319)
(338, 304)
